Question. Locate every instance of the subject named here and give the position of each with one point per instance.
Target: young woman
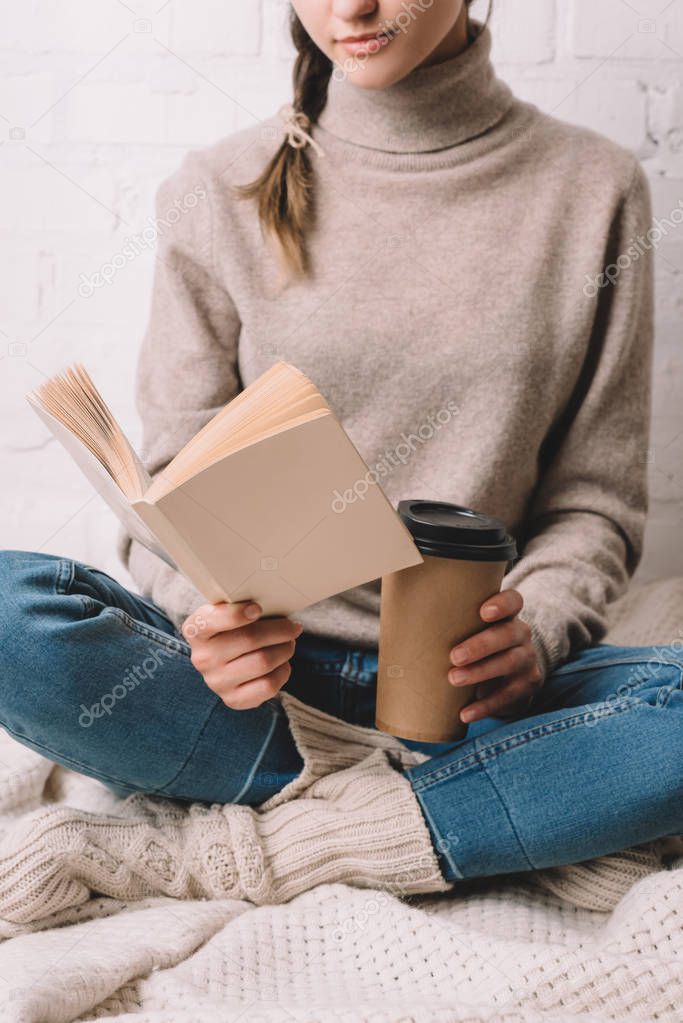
(410, 235)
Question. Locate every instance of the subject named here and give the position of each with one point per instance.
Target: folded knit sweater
(457, 319)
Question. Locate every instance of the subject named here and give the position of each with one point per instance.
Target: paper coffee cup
(427, 609)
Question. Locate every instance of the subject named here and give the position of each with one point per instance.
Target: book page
(101, 480)
(72, 399)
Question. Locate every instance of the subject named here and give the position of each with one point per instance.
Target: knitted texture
(339, 954)
(350, 816)
(504, 950)
(648, 615)
(409, 341)
(353, 817)
(327, 743)
(600, 884)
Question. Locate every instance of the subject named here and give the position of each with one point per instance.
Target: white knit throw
(599, 941)
(349, 816)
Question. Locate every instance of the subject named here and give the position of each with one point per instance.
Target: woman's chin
(375, 73)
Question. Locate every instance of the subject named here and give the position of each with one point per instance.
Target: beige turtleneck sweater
(457, 230)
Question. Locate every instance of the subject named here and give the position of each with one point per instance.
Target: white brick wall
(99, 100)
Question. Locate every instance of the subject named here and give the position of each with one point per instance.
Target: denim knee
(659, 675)
(36, 613)
(668, 653)
(27, 580)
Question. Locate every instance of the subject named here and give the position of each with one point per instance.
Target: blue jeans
(98, 679)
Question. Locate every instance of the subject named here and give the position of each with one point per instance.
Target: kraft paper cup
(427, 609)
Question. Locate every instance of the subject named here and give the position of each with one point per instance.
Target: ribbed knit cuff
(600, 884)
(351, 814)
(327, 743)
(547, 650)
(360, 826)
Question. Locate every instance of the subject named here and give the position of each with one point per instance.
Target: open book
(263, 504)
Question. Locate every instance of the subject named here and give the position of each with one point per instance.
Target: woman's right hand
(243, 660)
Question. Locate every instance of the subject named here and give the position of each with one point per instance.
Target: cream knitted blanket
(599, 941)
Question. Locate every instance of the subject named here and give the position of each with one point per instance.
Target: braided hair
(283, 192)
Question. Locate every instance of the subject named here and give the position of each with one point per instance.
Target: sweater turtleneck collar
(431, 108)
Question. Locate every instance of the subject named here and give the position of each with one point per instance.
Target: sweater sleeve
(582, 537)
(187, 367)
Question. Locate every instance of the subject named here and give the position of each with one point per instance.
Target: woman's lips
(369, 44)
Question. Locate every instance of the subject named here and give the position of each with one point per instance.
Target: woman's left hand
(501, 661)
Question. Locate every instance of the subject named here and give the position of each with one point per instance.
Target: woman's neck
(453, 43)
(433, 107)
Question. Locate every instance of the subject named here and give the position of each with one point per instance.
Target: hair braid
(284, 190)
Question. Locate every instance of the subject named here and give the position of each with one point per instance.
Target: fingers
(511, 661)
(226, 646)
(509, 698)
(496, 637)
(502, 605)
(210, 619)
(254, 693)
(243, 658)
(226, 676)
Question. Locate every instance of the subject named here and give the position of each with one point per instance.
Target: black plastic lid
(450, 531)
